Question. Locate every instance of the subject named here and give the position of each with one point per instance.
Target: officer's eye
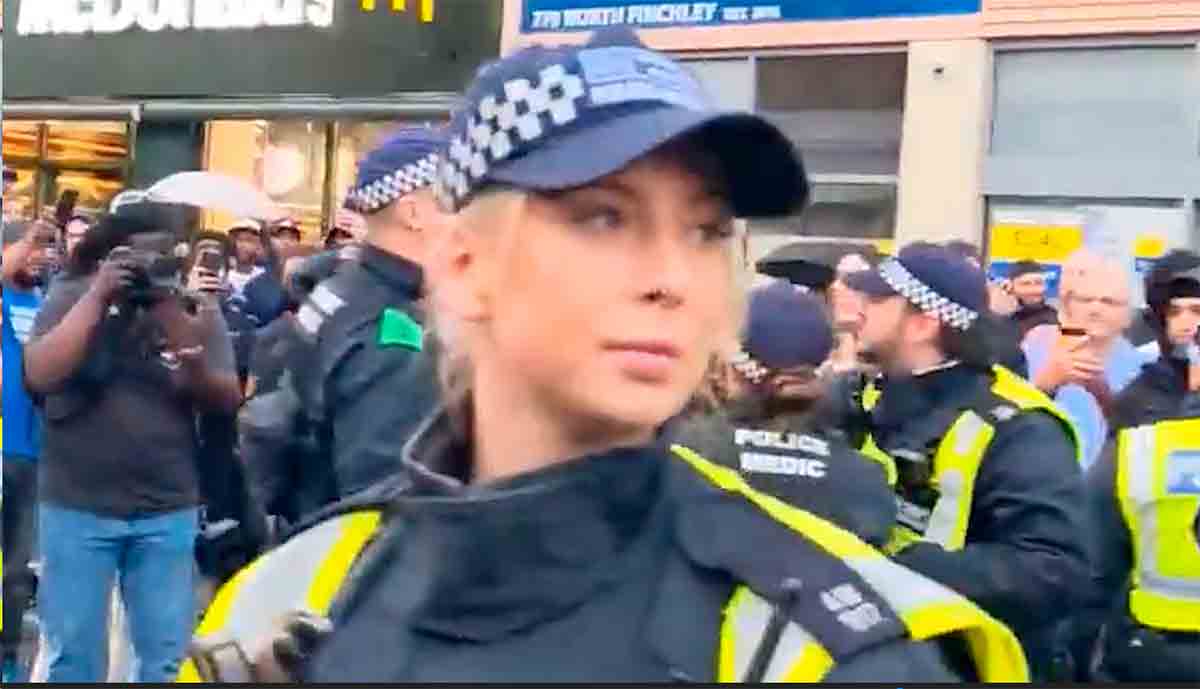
(598, 217)
(715, 232)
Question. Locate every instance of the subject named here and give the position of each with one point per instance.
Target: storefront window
(1134, 231)
(355, 140)
(91, 158)
(97, 143)
(20, 141)
(285, 159)
(844, 113)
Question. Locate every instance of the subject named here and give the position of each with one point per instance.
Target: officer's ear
(466, 263)
(923, 328)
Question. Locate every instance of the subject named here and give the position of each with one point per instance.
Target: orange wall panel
(1017, 18)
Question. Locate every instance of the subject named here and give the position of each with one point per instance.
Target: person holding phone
(1086, 362)
(26, 259)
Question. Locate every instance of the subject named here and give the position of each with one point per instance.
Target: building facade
(1029, 127)
(103, 96)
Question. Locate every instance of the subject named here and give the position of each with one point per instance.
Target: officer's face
(1183, 319)
(891, 329)
(598, 307)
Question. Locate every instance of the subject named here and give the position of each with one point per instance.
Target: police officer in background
(772, 429)
(359, 379)
(1167, 387)
(1145, 499)
(989, 484)
(544, 531)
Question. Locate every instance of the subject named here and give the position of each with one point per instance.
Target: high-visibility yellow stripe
(334, 568)
(839, 542)
(812, 666)
(727, 647)
(218, 611)
(997, 653)
(368, 5)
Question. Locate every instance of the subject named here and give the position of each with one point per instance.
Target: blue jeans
(151, 559)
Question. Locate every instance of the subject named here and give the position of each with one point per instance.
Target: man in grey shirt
(123, 367)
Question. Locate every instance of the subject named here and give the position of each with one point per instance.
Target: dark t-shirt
(119, 440)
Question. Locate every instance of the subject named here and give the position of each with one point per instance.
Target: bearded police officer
(358, 379)
(1145, 499)
(989, 484)
(772, 427)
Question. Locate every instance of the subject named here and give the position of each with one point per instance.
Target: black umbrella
(811, 264)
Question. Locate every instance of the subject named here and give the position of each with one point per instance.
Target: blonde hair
(454, 365)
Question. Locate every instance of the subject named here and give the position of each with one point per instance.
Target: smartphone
(211, 261)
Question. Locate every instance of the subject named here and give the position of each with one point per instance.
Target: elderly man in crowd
(1086, 360)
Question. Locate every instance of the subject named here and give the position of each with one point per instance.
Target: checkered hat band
(525, 112)
(924, 297)
(749, 368)
(383, 191)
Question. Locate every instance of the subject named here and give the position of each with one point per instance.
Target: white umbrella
(214, 191)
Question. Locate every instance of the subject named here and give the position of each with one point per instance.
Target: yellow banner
(1042, 243)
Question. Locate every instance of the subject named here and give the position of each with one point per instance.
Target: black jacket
(1025, 557)
(614, 568)
(1159, 392)
(794, 458)
(1029, 317)
(349, 395)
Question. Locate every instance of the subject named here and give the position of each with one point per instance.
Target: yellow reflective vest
(1158, 487)
(959, 455)
(306, 572)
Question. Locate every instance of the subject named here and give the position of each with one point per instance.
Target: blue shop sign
(582, 15)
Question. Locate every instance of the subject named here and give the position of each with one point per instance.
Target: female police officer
(543, 531)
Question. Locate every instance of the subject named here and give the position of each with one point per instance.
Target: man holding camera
(124, 360)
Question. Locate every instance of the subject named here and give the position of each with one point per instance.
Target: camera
(156, 276)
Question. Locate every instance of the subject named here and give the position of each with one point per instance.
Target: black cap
(554, 118)
(933, 278)
(1025, 268)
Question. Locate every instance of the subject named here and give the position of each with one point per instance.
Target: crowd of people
(518, 418)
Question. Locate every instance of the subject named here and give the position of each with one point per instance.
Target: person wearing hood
(1028, 280)
(772, 426)
(1168, 385)
(543, 528)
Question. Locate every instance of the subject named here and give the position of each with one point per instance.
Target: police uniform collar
(397, 271)
(911, 398)
(527, 550)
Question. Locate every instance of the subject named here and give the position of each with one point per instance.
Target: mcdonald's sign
(424, 7)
